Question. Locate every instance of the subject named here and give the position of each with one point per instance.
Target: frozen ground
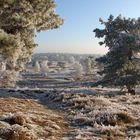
(23, 117)
(52, 108)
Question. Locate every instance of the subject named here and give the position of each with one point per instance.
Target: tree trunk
(131, 90)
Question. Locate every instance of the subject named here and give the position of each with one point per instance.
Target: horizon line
(68, 53)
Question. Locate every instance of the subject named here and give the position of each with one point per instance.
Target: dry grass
(23, 119)
(123, 117)
(101, 116)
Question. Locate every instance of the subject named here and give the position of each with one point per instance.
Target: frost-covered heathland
(56, 106)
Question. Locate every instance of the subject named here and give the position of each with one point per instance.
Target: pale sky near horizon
(81, 17)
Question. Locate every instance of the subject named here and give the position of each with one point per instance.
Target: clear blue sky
(81, 17)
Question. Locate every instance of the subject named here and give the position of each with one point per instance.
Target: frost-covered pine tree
(72, 60)
(87, 65)
(78, 70)
(37, 67)
(44, 67)
(122, 37)
(20, 20)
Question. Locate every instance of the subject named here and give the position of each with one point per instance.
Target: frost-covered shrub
(37, 67)
(72, 60)
(78, 70)
(44, 67)
(88, 65)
